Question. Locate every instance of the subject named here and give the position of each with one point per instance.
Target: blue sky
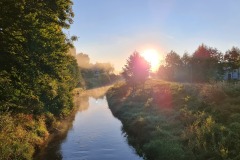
(110, 30)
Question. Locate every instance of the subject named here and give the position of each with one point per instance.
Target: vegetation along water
(179, 107)
(169, 120)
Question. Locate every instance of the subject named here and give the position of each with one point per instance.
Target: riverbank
(171, 121)
(23, 135)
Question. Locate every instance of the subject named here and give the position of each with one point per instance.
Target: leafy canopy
(36, 73)
(136, 70)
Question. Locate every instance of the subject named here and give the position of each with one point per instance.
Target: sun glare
(152, 56)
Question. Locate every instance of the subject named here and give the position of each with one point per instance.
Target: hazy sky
(110, 30)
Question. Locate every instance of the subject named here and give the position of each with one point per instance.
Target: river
(94, 133)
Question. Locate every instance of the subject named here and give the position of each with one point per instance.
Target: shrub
(21, 135)
(164, 149)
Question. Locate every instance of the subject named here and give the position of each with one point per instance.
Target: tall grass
(180, 121)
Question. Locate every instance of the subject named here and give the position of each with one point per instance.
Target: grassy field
(172, 121)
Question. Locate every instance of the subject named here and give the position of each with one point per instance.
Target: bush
(21, 135)
(164, 149)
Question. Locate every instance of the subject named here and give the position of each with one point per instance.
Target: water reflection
(82, 100)
(94, 133)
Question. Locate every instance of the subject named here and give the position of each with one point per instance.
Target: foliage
(204, 65)
(20, 134)
(136, 71)
(36, 73)
(164, 149)
(168, 120)
(95, 75)
(173, 64)
(232, 58)
(34, 63)
(83, 60)
(173, 60)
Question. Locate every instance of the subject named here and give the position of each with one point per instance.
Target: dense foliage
(232, 58)
(204, 65)
(180, 121)
(36, 73)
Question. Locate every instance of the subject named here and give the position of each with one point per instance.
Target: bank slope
(166, 120)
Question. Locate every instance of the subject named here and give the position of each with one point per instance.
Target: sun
(152, 56)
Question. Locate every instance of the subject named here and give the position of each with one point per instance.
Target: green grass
(167, 120)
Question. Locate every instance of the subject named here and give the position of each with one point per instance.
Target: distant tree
(173, 64)
(206, 64)
(186, 59)
(97, 74)
(83, 60)
(173, 60)
(163, 72)
(232, 58)
(187, 67)
(137, 69)
(104, 67)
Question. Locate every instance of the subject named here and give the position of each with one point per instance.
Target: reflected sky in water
(95, 134)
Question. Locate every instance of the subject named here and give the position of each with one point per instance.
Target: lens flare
(152, 56)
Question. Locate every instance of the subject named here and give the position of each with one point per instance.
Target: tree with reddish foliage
(136, 71)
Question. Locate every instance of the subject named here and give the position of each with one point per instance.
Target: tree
(206, 64)
(187, 67)
(104, 67)
(232, 58)
(163, 72)
(173, 64)
(137, 69)
(173, 60)
(83, 60)
(33, 59)
(186, 59)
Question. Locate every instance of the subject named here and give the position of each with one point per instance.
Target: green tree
(186, 59)
(137, 69)
(173, 65)
(206, 64)
(187, 67)
(232, 58)
(33, 59)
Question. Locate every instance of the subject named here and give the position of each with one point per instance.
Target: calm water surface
(94, 134)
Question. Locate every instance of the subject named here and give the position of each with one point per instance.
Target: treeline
(169, 120)
(36, 73)
(95, 75)
(204, 65)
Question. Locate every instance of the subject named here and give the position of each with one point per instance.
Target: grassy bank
(166, 120)
(22, 135)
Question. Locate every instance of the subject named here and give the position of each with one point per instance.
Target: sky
(111, 30)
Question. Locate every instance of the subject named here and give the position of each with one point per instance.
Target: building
(232, 75)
